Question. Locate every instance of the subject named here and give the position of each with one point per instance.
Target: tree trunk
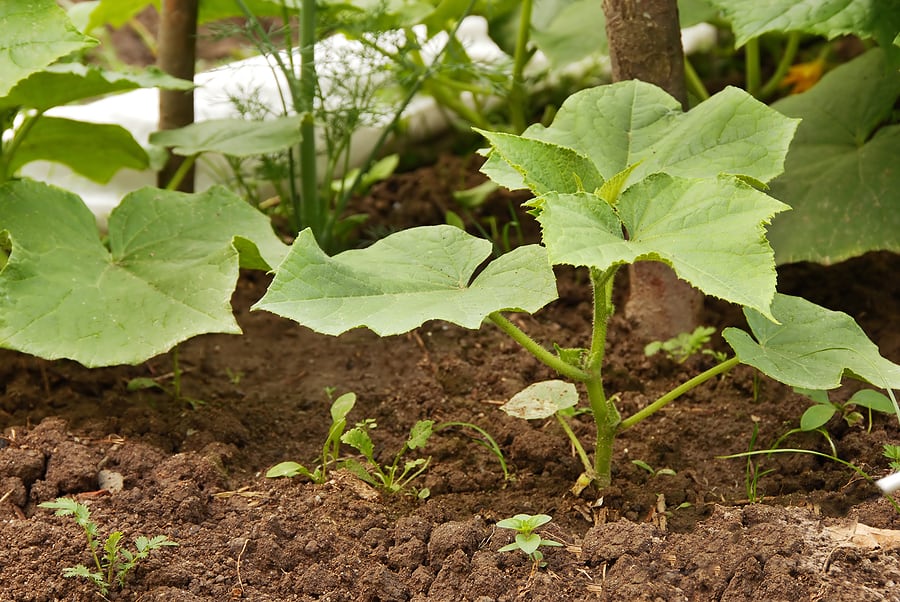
(177, 54)
(645, 43)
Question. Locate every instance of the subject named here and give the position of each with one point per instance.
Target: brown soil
(195, 474)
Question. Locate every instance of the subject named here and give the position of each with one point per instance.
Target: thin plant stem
(678, 392)
(517, 96)
(694, 83)
(176, 373)
(10, 151)
(787, 58)
(787, 450)
(579, 449)
(311, 206)
(181, 172)
(535, 349)
(751, 66)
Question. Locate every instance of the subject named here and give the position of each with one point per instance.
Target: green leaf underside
(877, 18)
(541, 400)
(34, 34)
(168, 276)
(233, 137)
(67, 82)
(405, 279)
(95, 150)
(618, 125)
(709, 231)
(550, 167)
(812, 347)
(841, 176)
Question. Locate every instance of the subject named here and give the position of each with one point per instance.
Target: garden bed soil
(196, 472)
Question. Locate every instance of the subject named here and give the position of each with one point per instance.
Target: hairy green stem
(517, 96)
(678, 392)
(535, 349)
(787, 58)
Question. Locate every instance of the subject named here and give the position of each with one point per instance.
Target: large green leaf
(235, 137)
(878, 19)
(168, 274)
(405, 279)
(94, 150)
(709, 231)
(618, 125)
(67, 82)
(842, 175)
(34, 34)
(812, 347)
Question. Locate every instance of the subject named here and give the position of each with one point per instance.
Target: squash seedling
(526, 539)
(622, 175)
(112, 561)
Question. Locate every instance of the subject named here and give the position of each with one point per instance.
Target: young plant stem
(10, 151)
(787, 58)
(695, 85)
(183, 169)
(678, 392)
(535, 349)
(751, 66)
(579, 449)
(311, 212)
(517, 96)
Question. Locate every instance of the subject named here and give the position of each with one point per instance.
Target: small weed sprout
(112, 561)
(340, 407)
(526, 539)
(683, 346)
(892, 453)
(653, 471)
(395, 477)
(818, 415)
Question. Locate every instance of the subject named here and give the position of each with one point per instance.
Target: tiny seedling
(679, 348)
(824, 409)
(395, 477)
(112, 561)
(892, 453)
(142, 383)
(526, 539)
(653, 471)
(340, 407)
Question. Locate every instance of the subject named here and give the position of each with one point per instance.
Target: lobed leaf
(95, 150)
(812, 347)
(841, 174)
(710, 231)
(33, 35)
(233, 137)
(405, 279)
(68, 82)
(878, 19)
(168, 274)
(617, 126)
